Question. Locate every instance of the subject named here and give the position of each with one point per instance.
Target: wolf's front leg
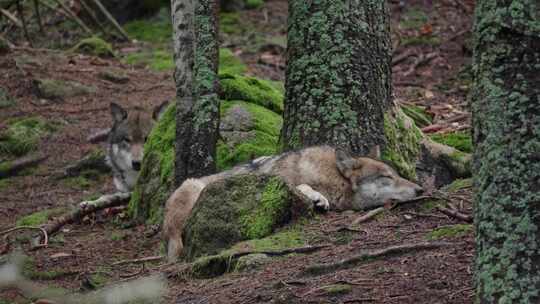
(317, 198)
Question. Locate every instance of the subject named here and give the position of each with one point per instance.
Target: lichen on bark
(506, 133)
(338, 75)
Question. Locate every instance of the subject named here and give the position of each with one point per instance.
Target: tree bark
(197, 102)
(506, 133)
(338, 78)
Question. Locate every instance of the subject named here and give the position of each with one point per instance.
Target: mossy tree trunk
(506, 119)
(338, 78)
(197, 102)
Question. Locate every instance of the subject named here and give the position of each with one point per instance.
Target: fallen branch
(85, 208)
(98, 136)
(11, 17)
(8, 169)
(456, 214)
(402, 57)
(421, 60)
(141, 260)
(368, 215)
(319, 269)
(72, 16)
(45, 236)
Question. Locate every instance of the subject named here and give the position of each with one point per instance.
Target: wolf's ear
(118, 113)
(375, 152)
(346, 163)
(159, 110)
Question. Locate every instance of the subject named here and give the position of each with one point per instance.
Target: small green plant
(40, 217)
(23, 135)
(450, 231)
(460, 140)
(414, 18)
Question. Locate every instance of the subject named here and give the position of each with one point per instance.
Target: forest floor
(431, 69)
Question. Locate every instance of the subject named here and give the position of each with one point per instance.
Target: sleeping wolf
(328, 177)
(126, 140)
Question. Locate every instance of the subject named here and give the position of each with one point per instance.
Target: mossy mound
(419, 115)
(23, 135)
(251, 89)
(238, 146)
(239, 208)
(229, 63)
(94, 46)
(459, 140)
(452, 231)
(40, 217)
(60, 89)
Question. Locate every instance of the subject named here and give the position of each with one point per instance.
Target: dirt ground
(427, 74)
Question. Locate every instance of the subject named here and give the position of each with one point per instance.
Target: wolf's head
(126, 141)
(373, 182)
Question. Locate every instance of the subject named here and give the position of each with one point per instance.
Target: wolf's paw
(317, 198)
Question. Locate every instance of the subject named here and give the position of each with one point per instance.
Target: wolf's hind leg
(317, 198)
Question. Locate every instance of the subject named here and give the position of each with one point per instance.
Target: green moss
(252, 4)
(150, 31)
(271, 210)
(421, 40)
(4, 183)
(460, 140)
(40, 217)
(98, 280)
(453, 231)
(29, 271)
(94, 46)
(267, 125)
(23, 135)
(418, 114)
(158, 60)
(414, 18)
(230, 64)
(78, 182)
(251, 89)
(118, 236)
(459, 184)
(336, 289)
(230, 23)
(403, 143)
(60, 89)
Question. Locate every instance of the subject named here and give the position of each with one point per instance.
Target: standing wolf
(328, 177)
(126, 141)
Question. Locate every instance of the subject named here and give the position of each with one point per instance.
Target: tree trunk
(197, 103)
(506, 120)
(338, 78)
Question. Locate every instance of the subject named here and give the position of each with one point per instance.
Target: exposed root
(12, 168)
(319, 269)
(456, 214)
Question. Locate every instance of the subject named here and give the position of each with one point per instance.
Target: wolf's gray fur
(126, 141)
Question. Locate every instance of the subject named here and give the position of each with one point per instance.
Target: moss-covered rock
(239, 208)
(115, 76)
(419, 115)
(94, 46)
(60, 89)
(229, 63)
(40, 217)
(251, 89)
(23, 135)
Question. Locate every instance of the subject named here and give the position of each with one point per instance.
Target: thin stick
(111, 19)
(45, 236)
(368, 215)
(73, 16)
(456, 214)
(11, 17)
(99, 136)
(38, 16)
(21, 15)
(319, 269)
(92, 15)
(12, 168)
(141, 260)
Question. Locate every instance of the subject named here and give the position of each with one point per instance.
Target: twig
(92, 15)
(111, 19)
(421, 60)
(11, 17)
(87, 207)
(45, 236)
(141, 260)
(456, 214)
(402, 57)
(426, 215)
(73, 16)
(11, 168)
(21, 15)
(319, 269)
(367, 216)
(38, 16)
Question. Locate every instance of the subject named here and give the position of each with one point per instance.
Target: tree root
(319, 269)
(456, 214)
